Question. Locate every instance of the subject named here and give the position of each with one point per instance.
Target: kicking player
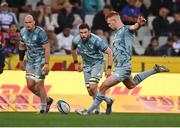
(91, 48)
(35, 42)
(122, 52)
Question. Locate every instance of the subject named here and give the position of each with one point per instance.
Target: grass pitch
(52, 119)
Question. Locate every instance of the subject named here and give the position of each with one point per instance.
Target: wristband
(109, 67)
(75, 62)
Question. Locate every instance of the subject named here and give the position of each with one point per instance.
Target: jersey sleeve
(101, 45)
(43, 37)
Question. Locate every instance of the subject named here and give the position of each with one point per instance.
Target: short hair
(84, 26)
(112, 13)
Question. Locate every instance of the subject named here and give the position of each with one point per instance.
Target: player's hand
(108, 73)
(78, 67)
(141, 20)
(22, 65)
(45, 69)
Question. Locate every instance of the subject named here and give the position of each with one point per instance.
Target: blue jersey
(34, 42)
(91, 50)
(122, 47)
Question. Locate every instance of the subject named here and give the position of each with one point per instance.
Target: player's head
(29, 22)
(113, 20)
(84, 31)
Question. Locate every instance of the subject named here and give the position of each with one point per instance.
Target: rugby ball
(63, 107)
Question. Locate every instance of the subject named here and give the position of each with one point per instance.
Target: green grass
(23, 119)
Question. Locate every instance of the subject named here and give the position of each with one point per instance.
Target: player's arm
(140, 22)
(74, 56)
(109, 52)
(47, 52)
(22, 50)
(46, 47)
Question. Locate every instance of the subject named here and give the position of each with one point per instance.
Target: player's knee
(90, 92)
(31, 87)
(93, 87)
(131, 86)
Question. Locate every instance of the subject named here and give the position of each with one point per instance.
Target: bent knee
(90, 92)
(31, 86)
(130, 86)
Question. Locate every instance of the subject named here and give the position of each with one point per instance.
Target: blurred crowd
(61, 19)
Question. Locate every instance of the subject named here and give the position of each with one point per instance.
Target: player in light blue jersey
(92, 49)
(35, 42)
(122, 52)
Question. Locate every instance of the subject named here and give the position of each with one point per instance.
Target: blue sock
(99, 98)
(97, 108)
(107, 99)
(38, 94)
(140, 77)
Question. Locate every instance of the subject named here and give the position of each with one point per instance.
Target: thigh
(97, 71)
(39, 74)
(87, 76)
(109, 82)
(122, 73)
(34, 71)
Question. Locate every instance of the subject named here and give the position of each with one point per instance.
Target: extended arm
(140, 22)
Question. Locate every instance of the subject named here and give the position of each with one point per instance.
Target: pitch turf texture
(17, 119)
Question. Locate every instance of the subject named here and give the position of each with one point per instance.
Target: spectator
(6, 17)
(50, 21)
(176, 44)
(66, 18)
(156, 5)
(58, 5)
(130, 12)
(18, 6)
(38, 14)
(117, 5)
(140, 4)
(175, 26)
(167, 49)
(77, 8)
(152, 49)
(176, 5)
(65, 41)
(99, 21)
(161, 24)
(92, 6)
(11, 46)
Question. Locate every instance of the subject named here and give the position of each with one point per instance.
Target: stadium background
(158, 94)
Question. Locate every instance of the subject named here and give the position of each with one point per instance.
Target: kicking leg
(157, 69)
(131, 83)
